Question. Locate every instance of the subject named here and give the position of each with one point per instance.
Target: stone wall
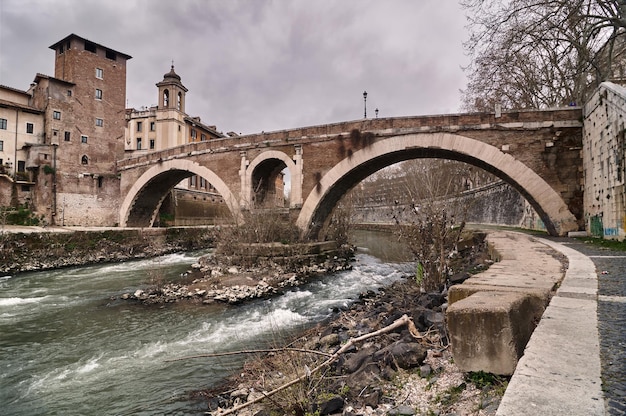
(496, 203)
(49, 250)
(604, 162)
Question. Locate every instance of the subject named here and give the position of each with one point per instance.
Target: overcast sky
(258, 65)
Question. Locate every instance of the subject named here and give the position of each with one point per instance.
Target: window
(166, 98)
(69, 93)
(152, 126)
(21, 166)
(193, 180)
(1, 145)
(99, 73)
(152, 144)
(55, 133)
(83, 139)
(100, 181)
(84, 160)
(139, 125)
(99, 122)
(30, 127)
(67, 136)
(178, 101)
(138, 143)
(3, 123)
(98, 94)
(56, 115)
(202, 137)
(194, 134)
(111, 55)
(89, 46)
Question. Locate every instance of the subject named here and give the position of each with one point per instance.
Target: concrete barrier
(560, 372)
(492, 315)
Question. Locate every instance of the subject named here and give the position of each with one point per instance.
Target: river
(68, 346)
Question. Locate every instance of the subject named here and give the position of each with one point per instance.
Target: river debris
(401, 369)
(219, 280)
(386, 355)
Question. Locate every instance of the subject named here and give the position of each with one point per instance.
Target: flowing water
(68, 347)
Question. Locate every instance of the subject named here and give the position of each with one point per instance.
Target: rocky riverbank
(403, 371)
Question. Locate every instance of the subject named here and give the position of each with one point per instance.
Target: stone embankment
(492, 315)
(22, 251)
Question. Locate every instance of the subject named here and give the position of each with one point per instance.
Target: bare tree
(540, 53)
(432, 222)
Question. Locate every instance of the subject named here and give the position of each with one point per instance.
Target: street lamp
(364, 104)
(376, 111)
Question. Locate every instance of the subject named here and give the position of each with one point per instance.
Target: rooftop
(74, 36)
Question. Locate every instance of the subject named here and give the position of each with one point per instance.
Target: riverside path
(611, 270)
(580, 343)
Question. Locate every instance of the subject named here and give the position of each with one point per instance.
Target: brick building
(61, 138)
(69, 136)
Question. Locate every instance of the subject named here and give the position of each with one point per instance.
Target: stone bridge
(536, 152)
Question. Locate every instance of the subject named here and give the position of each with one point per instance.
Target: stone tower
(85, 119)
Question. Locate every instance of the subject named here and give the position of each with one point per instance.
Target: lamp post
(364, 104)
(376, 111)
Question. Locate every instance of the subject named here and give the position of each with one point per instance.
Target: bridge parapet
(529, 119)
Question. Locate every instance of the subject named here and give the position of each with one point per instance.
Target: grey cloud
(259, 65)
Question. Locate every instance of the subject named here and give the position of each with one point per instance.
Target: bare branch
(402, 321)
(244, 352)
(539, 53)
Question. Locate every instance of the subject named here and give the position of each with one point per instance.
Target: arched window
(179, 100)
(166, 98)
(84, 160)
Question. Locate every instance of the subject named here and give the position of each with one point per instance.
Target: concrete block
(459, 292)
(490, 329)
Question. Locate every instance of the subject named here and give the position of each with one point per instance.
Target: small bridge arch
(283, 160)
(141, 204)
(351, 170)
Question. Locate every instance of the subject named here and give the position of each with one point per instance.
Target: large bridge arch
(143, 200)
(342, 177)
(295, 172)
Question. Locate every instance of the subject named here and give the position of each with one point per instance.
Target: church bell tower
(172, 92)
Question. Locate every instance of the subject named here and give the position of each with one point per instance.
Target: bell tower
(172, 92)
(170, 115)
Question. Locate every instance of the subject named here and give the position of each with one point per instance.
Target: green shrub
(21, 216)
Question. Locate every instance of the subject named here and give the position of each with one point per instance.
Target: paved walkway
(610, 266)
(575, 361)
